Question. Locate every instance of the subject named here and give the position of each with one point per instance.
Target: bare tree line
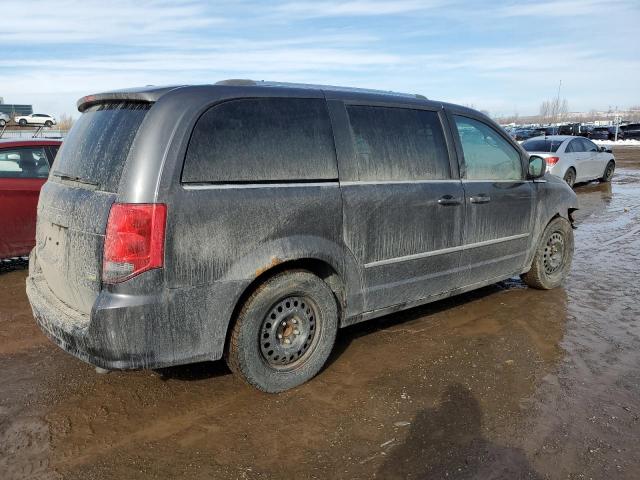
(556, 110)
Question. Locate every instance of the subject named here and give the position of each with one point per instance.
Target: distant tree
(555, 110)
(65, 122)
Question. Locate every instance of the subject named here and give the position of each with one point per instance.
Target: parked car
(606, 133)
(24, 167)
(271, 215)
(632, 131)
(575, 159)
(4, 119)
(525, 133)
(599, 133)
(585, 130)
(35, 119)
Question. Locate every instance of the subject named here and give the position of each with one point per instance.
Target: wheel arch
(319, 267)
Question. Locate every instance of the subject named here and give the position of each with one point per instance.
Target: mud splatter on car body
(382, 246)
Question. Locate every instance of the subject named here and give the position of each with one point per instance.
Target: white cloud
(93, 45)
(316, 9)
(95, 21)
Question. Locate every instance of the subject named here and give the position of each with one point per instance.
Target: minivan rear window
(96, 149)
(262, 140)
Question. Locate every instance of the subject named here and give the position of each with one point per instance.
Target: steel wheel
(552, 260)
(284, 331)
(553, 256)
(288, 332)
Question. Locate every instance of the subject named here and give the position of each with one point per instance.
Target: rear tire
(570, 177)
(22, 122)
(2, 122)
(552, 260)
(608, 171)
(284, 332)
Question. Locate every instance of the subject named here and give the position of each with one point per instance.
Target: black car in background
(632, 131)
(585, 130)
(599, 133)
(526, 133)
(606, 133)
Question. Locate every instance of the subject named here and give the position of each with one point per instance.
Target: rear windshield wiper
(73, 178)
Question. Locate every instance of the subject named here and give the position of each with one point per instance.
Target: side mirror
(537, 166)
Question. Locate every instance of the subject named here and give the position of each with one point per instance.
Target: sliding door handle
(449, 200)
(482, 198)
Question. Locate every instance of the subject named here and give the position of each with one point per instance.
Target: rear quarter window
(262, 140)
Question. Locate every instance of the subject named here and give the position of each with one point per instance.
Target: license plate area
(52, 244)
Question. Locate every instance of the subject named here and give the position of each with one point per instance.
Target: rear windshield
(97, 146)
(541, 145)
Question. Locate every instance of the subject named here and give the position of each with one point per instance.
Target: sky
(503, 57)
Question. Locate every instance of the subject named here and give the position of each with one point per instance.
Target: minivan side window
(487, 156)
(398, 144)
(262, 140)
(24, 162)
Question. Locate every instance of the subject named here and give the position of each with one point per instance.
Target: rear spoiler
(148, 94)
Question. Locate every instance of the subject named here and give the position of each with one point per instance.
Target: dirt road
(506, 382)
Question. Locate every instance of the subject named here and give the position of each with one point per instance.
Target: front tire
(2, 122)
(552, 260)
(608, 171)
(284, 332)
(48, 123)
(570, 177)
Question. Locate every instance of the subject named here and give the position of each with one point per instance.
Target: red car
(24, 167)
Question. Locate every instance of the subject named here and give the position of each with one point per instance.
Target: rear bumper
(132, 331)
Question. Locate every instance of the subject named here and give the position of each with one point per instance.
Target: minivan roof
(153, 93)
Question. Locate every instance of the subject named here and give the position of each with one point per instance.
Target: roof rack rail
(244, 82)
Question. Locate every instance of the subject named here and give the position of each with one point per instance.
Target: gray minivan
(250, 220)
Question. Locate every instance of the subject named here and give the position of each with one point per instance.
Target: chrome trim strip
(443, 251)
(394, 182)
(232, 186)
(431, 276)
(494, 181)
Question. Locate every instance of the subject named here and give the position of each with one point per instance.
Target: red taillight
(134, 242)
(552, 160)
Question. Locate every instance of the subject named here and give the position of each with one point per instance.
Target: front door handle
(482, 198)
(449, 200)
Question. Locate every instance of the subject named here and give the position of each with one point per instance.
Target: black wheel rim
(288, 332)
(609, 173)
(569, 178)
(553, 256)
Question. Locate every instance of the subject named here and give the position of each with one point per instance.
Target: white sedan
(35, 119)
(575, 159)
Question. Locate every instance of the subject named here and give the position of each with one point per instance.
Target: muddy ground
(506, 382)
